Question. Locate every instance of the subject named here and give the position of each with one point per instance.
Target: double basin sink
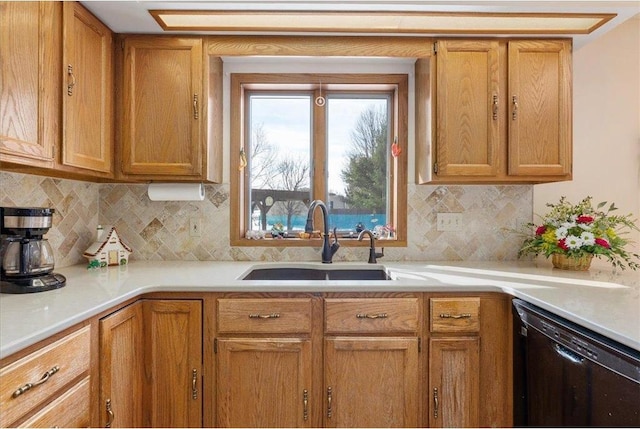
(376, 272)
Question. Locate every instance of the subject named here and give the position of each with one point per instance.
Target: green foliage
(366, 173)
(580, 230)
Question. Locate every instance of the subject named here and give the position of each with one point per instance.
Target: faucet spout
(328, 249)
(373, 255)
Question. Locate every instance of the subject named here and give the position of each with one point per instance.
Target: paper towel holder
(176, 191)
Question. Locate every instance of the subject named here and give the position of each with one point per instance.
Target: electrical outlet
(195, 227)
(449, 222)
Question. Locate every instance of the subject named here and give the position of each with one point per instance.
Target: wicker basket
(565, 262)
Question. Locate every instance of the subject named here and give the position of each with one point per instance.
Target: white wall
(606, 125)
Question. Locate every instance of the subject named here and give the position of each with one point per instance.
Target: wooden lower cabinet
(276, 360)
(454, 366)
(149, 351)
(172, 388)
(49, 386)
(264, 382)
(372, 382)
(121, 368)
(469, 363)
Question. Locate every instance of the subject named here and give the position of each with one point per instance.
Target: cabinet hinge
(435, 48)
(215, 345)
(435, 167)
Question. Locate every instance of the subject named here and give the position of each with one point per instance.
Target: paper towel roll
(176, 191)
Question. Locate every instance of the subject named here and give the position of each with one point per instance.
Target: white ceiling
(133, 16)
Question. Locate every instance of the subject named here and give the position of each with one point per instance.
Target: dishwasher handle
(568, 354)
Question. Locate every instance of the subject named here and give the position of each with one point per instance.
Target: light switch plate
(449, 222)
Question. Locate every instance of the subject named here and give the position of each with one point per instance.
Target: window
(297, 138)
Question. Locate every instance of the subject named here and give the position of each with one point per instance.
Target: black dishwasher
(566, 375)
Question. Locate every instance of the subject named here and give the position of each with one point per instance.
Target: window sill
(316, 242)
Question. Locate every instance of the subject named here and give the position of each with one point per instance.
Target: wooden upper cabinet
(468, 125)
(163, 108)
(540, 119)
(503, 112)
(30, 56)
(87, 91)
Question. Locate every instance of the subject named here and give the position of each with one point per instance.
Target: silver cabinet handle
(495, 107)
(514, 111)
(372, 316)
(455, 316)
(305, 405)
(194, 384)
(264, 316)
(435, 403)
(71, 84)
(329, 399)
(196, 112)
(29, 386)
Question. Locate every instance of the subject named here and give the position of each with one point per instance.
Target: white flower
(588, 238)
(561, 232)
(585, 226)
(573, 242)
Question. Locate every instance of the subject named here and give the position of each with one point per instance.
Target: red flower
(541, 230)
(584, 219)
(604, 243)
(562, 244)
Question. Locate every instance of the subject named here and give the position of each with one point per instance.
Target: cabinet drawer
(265, 315)
(369, 315)
(71, 410)
(70, 355)
(455, 314)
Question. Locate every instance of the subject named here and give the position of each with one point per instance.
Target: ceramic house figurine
(108, 249)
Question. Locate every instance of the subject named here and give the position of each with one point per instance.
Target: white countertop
(601, 300)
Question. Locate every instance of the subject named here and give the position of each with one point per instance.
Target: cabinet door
(454, 368)
(264, 382)
(468, 141)
(173, 363)
(371, 382)
(540, 119)
(162, 105)
(87, 92)
(121, 367)
(30, 76)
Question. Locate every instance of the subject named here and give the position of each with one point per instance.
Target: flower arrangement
(582, 231)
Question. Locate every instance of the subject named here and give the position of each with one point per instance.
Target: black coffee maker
(27, 258)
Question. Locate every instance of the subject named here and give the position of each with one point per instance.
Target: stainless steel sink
(319, 273)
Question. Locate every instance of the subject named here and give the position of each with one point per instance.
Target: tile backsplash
(160, 230)
(76, 210)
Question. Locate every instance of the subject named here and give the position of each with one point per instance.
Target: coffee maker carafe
(27, 257)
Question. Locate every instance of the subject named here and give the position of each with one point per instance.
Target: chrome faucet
(372, 246)
(328, 250)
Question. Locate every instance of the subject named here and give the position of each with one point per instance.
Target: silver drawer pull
(30, 386)
(264, 316)
(455, 316)
(372, 316)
